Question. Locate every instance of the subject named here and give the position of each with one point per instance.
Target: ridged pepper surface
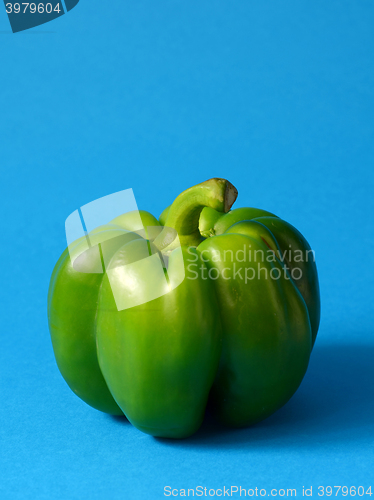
(154, 326)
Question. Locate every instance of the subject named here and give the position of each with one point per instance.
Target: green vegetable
(153, 325)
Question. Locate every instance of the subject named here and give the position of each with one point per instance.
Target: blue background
(276, 96)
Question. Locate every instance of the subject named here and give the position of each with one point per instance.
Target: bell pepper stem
(184, 213)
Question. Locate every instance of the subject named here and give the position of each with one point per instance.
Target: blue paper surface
(276, 96)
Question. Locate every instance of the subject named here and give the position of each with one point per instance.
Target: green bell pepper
(227, 313)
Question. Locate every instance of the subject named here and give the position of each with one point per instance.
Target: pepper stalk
(184, 213)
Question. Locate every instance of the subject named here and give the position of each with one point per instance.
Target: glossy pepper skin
(228, 333)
